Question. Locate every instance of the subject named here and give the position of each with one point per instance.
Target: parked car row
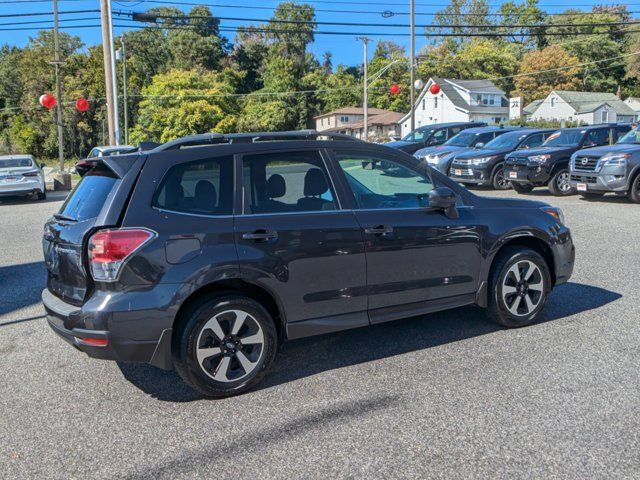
(591, 160)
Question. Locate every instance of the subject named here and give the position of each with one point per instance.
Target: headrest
(314, 182)
(276, 186)
(205, 195)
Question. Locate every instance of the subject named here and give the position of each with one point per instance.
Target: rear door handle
(379, 231)
(261, 235)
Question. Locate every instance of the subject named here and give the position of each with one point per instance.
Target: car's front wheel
(519, 287)
(522, 187)
(498, 179)
(634, 189)
(225, 345)
(560, 184)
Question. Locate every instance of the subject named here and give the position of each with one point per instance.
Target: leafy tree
(542, 71)
(327, 66)
(526, 13)
(291, 29)
(392, 57)
(183, 102)
(454, 17)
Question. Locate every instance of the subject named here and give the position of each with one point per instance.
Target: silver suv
(614, 168)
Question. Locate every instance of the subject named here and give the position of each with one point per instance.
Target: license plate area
(513, 174)
(581, 187)
(457, 172)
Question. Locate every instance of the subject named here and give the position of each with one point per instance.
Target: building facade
(458, 101)
(383, 124)
(581, 107)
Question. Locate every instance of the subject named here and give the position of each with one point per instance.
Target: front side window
(202, 187)
(440, 136)
(597, 137)
(286, 182)
(533, 141)
(381, 183)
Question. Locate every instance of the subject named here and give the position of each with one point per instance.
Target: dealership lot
(446, 395)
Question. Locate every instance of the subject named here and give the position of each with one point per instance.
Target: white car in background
(21, 175)
(108, 150)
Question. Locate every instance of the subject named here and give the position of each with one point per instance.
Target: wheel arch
(534, 240)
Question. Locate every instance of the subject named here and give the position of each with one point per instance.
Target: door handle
(379, 231)
(261, 235)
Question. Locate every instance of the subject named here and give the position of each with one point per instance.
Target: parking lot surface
(448, 395)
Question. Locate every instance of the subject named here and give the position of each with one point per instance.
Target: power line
(46, 14)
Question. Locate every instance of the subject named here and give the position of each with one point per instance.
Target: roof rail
(205, 139)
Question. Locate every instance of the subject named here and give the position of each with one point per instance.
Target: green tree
(392, 57)
(525, 13)
(184, 102)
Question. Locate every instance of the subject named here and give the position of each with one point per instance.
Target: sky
(346, 49)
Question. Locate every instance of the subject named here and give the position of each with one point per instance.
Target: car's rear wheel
(519, 287)
(522, 187)
(225, 345)
(42, 195)
(634, 189)
(560, 184)
(498, 180)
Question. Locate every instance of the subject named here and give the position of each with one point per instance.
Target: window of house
(435, 102)
(553, 102)
(605, 116)
(424, 104)
(344, 119)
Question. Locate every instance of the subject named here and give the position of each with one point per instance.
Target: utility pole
(109, 74)
(57, 62)
(412, 49)
(123, 58)
(365, 96)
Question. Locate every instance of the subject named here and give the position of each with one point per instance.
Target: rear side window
(203, 187)
(88, 197)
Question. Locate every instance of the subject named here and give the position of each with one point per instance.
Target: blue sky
(346, 49)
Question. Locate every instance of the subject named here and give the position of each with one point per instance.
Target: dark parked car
(431, 135)
(616, 169)
(486, 165)
(549, 164)
(440, 157)
(204, 259)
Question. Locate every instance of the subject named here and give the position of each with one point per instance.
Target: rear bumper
(99, 333)
(22, 188)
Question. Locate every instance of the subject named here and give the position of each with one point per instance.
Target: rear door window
(597, 138)
(202, 187)
(88, 198)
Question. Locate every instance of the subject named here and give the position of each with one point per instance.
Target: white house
(382, 124)
(458, 101)
(581, 107)
(343, 116)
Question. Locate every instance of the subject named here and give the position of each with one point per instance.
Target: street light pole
(412, 49)
(57, 62)
(109, 70)
(365, 99)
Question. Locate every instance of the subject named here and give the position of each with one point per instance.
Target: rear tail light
(109, 250)
(30, 174)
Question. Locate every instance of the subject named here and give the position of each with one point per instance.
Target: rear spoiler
(118, 164)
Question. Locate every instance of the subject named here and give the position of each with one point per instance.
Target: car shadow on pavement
(22, 200)
(310, 356)
(21, 285)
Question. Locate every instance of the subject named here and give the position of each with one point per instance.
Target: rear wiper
(60, 216)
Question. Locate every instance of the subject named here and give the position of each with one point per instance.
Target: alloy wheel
(563, 182)
(522, 288)
(230, 346)
(501, 182)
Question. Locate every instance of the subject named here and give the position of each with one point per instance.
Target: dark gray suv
(206, 253)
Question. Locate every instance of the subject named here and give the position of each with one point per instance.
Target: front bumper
(564, 254)
(534, 174)
(466, 174)
(603, 181)
(103, 330)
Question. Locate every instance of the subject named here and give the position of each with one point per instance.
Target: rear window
(15, 162)
(203, 187)
(88, 197)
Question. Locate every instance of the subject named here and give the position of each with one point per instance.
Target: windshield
(632, 137)
(508, 140)
(15, 162)
(418, 135)
(463, 139)
(564, 138)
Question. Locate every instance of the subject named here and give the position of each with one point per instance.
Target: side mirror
(42, 165)
(443, 198)
(479, 145)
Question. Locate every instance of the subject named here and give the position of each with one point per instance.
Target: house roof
(477, 86)
(585, 102)
(532, 107)
(352, 111)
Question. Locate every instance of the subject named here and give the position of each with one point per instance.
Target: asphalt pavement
(448, 395)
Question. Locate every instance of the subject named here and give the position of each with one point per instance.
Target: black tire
(190, 330)
(522, 187)
(559, 184)
(591, 195)
(42, 195)
(634, 189)
(501, 278)
(498, 180)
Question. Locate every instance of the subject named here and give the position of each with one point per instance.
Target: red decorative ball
(47, 101)
(394, 89)
(434, 89)
(82, 104)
